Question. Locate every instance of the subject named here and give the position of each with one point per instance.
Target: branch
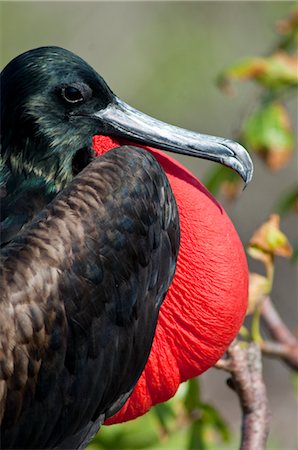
(286, 345)
(245, 366)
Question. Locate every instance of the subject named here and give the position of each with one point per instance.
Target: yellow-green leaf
(274, 71)
(270, 240)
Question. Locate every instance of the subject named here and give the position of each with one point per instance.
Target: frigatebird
(89, 246)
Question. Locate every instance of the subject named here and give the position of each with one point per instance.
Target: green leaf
(268, 133)
(207, 421)
(139, 433)
(198, 438)
(164, 412)
(214, 418)
(222, 179)
(192, 398)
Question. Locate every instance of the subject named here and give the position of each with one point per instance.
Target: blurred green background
(163, 58)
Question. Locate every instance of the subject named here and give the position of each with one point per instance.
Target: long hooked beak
(121, 120)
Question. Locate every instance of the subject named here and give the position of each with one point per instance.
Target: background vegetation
(167, 59)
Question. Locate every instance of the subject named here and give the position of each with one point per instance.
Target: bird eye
(72, 94)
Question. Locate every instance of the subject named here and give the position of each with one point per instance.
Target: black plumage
(82, 287)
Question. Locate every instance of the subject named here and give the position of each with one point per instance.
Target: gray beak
(121, 120)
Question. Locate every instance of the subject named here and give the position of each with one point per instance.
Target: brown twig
(285, 344)
(245, 366)
(288, 353)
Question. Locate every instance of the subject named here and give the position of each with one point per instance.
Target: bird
(122, 276)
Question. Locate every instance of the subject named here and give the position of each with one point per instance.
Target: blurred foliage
(186, 421)
(267, 132)
(224, 180)
(267, 242)
(274, 72)
(288, 202)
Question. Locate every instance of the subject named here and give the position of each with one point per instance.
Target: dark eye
(76, 93)
(72, 94)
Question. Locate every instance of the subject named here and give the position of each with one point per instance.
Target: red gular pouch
(207, 301)
(102, 144)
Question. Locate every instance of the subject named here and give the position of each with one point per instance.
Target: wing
(82, 289)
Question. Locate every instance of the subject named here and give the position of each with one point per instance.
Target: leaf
(164, 412)
(281, 69)
(198, 438)
(288, 25)
(214, 418)
(192, 399)
(244, 333)
(274, 71)
(288, 29)
(139, 433)
(268, 239)
(223, 180)
(203, 429)
(268, 132)
(206, 419)
(261, 255)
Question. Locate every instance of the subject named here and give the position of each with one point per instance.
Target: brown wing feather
(82, 287)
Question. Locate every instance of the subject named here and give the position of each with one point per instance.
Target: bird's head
(47, 98)
(53, 103)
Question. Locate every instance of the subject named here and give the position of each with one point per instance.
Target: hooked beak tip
(249, 176)
(244, 162)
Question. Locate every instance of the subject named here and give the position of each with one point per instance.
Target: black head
(43, 91)
(53, 102)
